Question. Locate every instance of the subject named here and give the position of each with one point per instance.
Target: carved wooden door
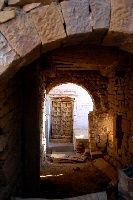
(62, 120)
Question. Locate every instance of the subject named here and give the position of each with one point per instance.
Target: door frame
(52, 99)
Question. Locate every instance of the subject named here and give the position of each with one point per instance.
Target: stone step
(63, 140)
(61, 148)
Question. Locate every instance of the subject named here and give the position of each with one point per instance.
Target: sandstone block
(121, 29)
(6, 15)
(121, 16)
(121, 24)
(14, 2)
(76, 16)
(8, 57)
(16, 9)
(100, 14)
(31, 6)
(106, 168)
(49, 26)
(2, 3)
(24, 2)
(22, 36)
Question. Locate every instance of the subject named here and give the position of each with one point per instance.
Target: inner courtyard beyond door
(62, 119)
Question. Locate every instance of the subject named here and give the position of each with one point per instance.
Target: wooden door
(62, 120)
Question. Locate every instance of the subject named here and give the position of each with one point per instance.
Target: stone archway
(47, 27)
(79, 80)
(26, 37)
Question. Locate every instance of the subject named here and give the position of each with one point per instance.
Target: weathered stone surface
(49, 26)
(16, 9)
(76, 16)
(22, 36)
(8, 57)
(24, 2)
(121, 16)
(14, 2)
(6, 15)
(121, 29)
(31, 6)
(2, 3)
(100, 14)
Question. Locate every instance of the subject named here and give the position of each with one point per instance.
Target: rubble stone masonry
(120, 101)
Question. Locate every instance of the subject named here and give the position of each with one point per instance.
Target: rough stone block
(49, 26)
(31, 6)
(121, 29)
(121, 16)
(106, 168)
(24, 2)
(100, 14)
(6, 15)
(14, 2)
(8, 57)
(2, 3)
(76, 16)
(22, 36)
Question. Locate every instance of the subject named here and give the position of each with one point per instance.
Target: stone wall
(10, 137)
(120, 99)
(100, 129)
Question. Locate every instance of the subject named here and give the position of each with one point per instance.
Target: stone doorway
(67, 108)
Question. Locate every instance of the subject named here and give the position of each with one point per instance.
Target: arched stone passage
(85, 80)
(46, 27)
(24, 39)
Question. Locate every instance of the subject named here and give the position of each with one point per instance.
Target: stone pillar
(31, 135)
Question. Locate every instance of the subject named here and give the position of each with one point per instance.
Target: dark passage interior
(106, 73)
